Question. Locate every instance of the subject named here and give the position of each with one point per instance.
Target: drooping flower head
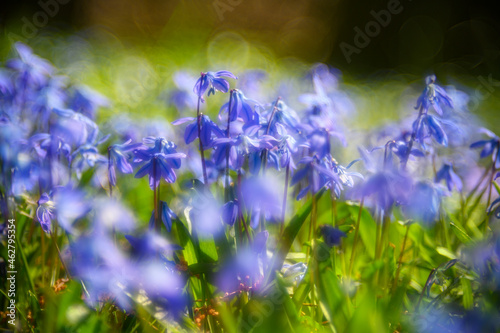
(212, 81)
(159, 161)
(208, 130)
(433, 96)
(449, 176)
(241, 107)
(119, 156)
(489, 147)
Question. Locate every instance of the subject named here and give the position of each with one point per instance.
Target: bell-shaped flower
(212, 81)
(208, 130)
(433, 96)
(451, 179)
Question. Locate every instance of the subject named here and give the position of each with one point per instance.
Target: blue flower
(33, 71)
(75, 128)
(400, 149)
(241, 147)
(284, 119)
(433, 95)
(429, 126)
(490, 147)
(45, 212)
(240, 107)
(331, 235)
(230, 212)
(423, 203)
(282, 154)
(87, 101)
(259, 242)
(166, 216)
(208, 130)
(388, 187)
(84, 158)
(451, 179)
(119, 155)
(212, 81)
(111, 215)
(160, 161)
(182, 97)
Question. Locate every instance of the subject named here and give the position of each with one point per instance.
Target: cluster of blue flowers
(51, 145)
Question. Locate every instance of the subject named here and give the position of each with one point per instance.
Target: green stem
(356, 236)
(398, 270)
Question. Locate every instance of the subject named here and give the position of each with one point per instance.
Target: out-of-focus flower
(241, 147)
(85, 157)
(166, 215)
(110, 214)
(429, 126)
(489, 147)
(65, 204)
(120, 155)
(433, 96)
(239, 272)
(230, 212)
(388, 187)
(451, 179)
(208, 130)
(294, 273)
(212, 81)
(423, 203)
(241, 107)
(260, 242)
(32, 70)
(262, 194)
(331, 235)
(87, 101)
(182, 96)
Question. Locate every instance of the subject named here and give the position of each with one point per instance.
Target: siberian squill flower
(32, 70)
(433, 96)
(166, 215)
(241, 147)
(118, 157)
(208, 130)
(65, 204)
(212, 81)
(316, 173)
(45, 212)
(159, 161)
(429, 126)
(282, 155)
(423, 203)
(181, 96)
(86, 157)
(489, 147)
(284, 120)
(331, 235)
(449, 176)
(241, 107)
(86, 100)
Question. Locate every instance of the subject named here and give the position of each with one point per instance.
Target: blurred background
(396, 43)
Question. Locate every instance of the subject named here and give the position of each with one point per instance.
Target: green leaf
(467, 298)
(288, 237)
(445, 252)
(181, 234)
(367, 228)
(460, 233)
